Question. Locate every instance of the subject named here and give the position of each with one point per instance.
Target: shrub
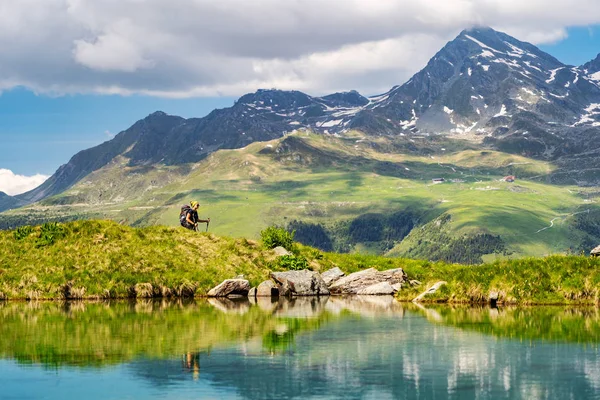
(22, 232)
(293, 263)
(274, 236)
(49, 233)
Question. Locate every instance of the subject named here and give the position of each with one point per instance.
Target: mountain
(8, 202)
(484, 87)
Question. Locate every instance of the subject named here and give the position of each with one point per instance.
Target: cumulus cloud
(229, 47)
(13, 184)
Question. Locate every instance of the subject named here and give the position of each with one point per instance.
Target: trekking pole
(207, 222)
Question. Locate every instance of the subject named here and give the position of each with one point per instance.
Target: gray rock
(332, 275)
(300, 283)
(397, 287)
(252, 293)
(267, 289)
(429, 291)
(230, 287)
(280, 251)
(494, 296)
(354, 283)
(378, 289)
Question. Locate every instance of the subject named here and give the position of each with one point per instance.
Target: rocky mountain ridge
(484, 86)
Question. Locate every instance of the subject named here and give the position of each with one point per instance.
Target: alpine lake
(304, 348)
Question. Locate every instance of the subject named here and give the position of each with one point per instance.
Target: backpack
(183, 213)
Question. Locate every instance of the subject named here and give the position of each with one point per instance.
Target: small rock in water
(429, 291)
(252, 293)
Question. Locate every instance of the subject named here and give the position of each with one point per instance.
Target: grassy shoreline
(105, 260)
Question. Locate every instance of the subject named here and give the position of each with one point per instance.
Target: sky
(73, 73)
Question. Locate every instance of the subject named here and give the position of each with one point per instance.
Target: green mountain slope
(350, 193)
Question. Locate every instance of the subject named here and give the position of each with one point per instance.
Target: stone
(378, 289)
(494, 296)
(397, 287)
(267, 289)
(354, 283)
(252, 293)
(230, 287)
(429, 291)
(595, 252)
(300, 283)
(332, 275)
(280, 251)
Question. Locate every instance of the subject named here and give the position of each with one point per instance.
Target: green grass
(102, 259)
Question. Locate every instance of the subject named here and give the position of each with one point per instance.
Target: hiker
(189, 216)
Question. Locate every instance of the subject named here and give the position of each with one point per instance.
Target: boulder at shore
(300, 283)
(354, 283)
(332, 275)
(378, 289)
(267, 289)
(230, 287)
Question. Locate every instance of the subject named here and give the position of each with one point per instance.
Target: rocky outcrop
(332, 275)
(252, 293)
(300, 283)
(230, 287)
(267, 289)
(358, 281)
(429, 291)
(281, 251)
(378, 289)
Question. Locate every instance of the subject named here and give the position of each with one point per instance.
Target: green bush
(22, 232)
(293, 263)
(50, 231)
(274, 236)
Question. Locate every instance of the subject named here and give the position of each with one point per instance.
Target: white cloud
(229, 47)
(13, 184)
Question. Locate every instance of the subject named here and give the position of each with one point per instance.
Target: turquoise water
(356, 348)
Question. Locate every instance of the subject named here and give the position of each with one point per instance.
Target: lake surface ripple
(319, 348)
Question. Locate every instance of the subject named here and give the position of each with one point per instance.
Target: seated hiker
(189, 216)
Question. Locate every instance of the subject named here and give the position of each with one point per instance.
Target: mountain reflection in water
(355, 347)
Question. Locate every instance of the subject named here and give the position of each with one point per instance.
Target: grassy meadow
(326, 180)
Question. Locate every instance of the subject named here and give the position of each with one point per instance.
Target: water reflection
(356, 347)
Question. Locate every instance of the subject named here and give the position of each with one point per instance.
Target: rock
(595, 252)
(429, 291)
(252, 293)
(300, 283)
(378, 289)
(397, 287)
(332, 275)
(494, 296)
(280, 251)
(230, 287)
(354, 283)
(267, 289)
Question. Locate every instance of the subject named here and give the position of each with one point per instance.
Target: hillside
(351, 193)
(104, 260)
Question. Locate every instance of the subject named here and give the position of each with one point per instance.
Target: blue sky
(73, 73)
